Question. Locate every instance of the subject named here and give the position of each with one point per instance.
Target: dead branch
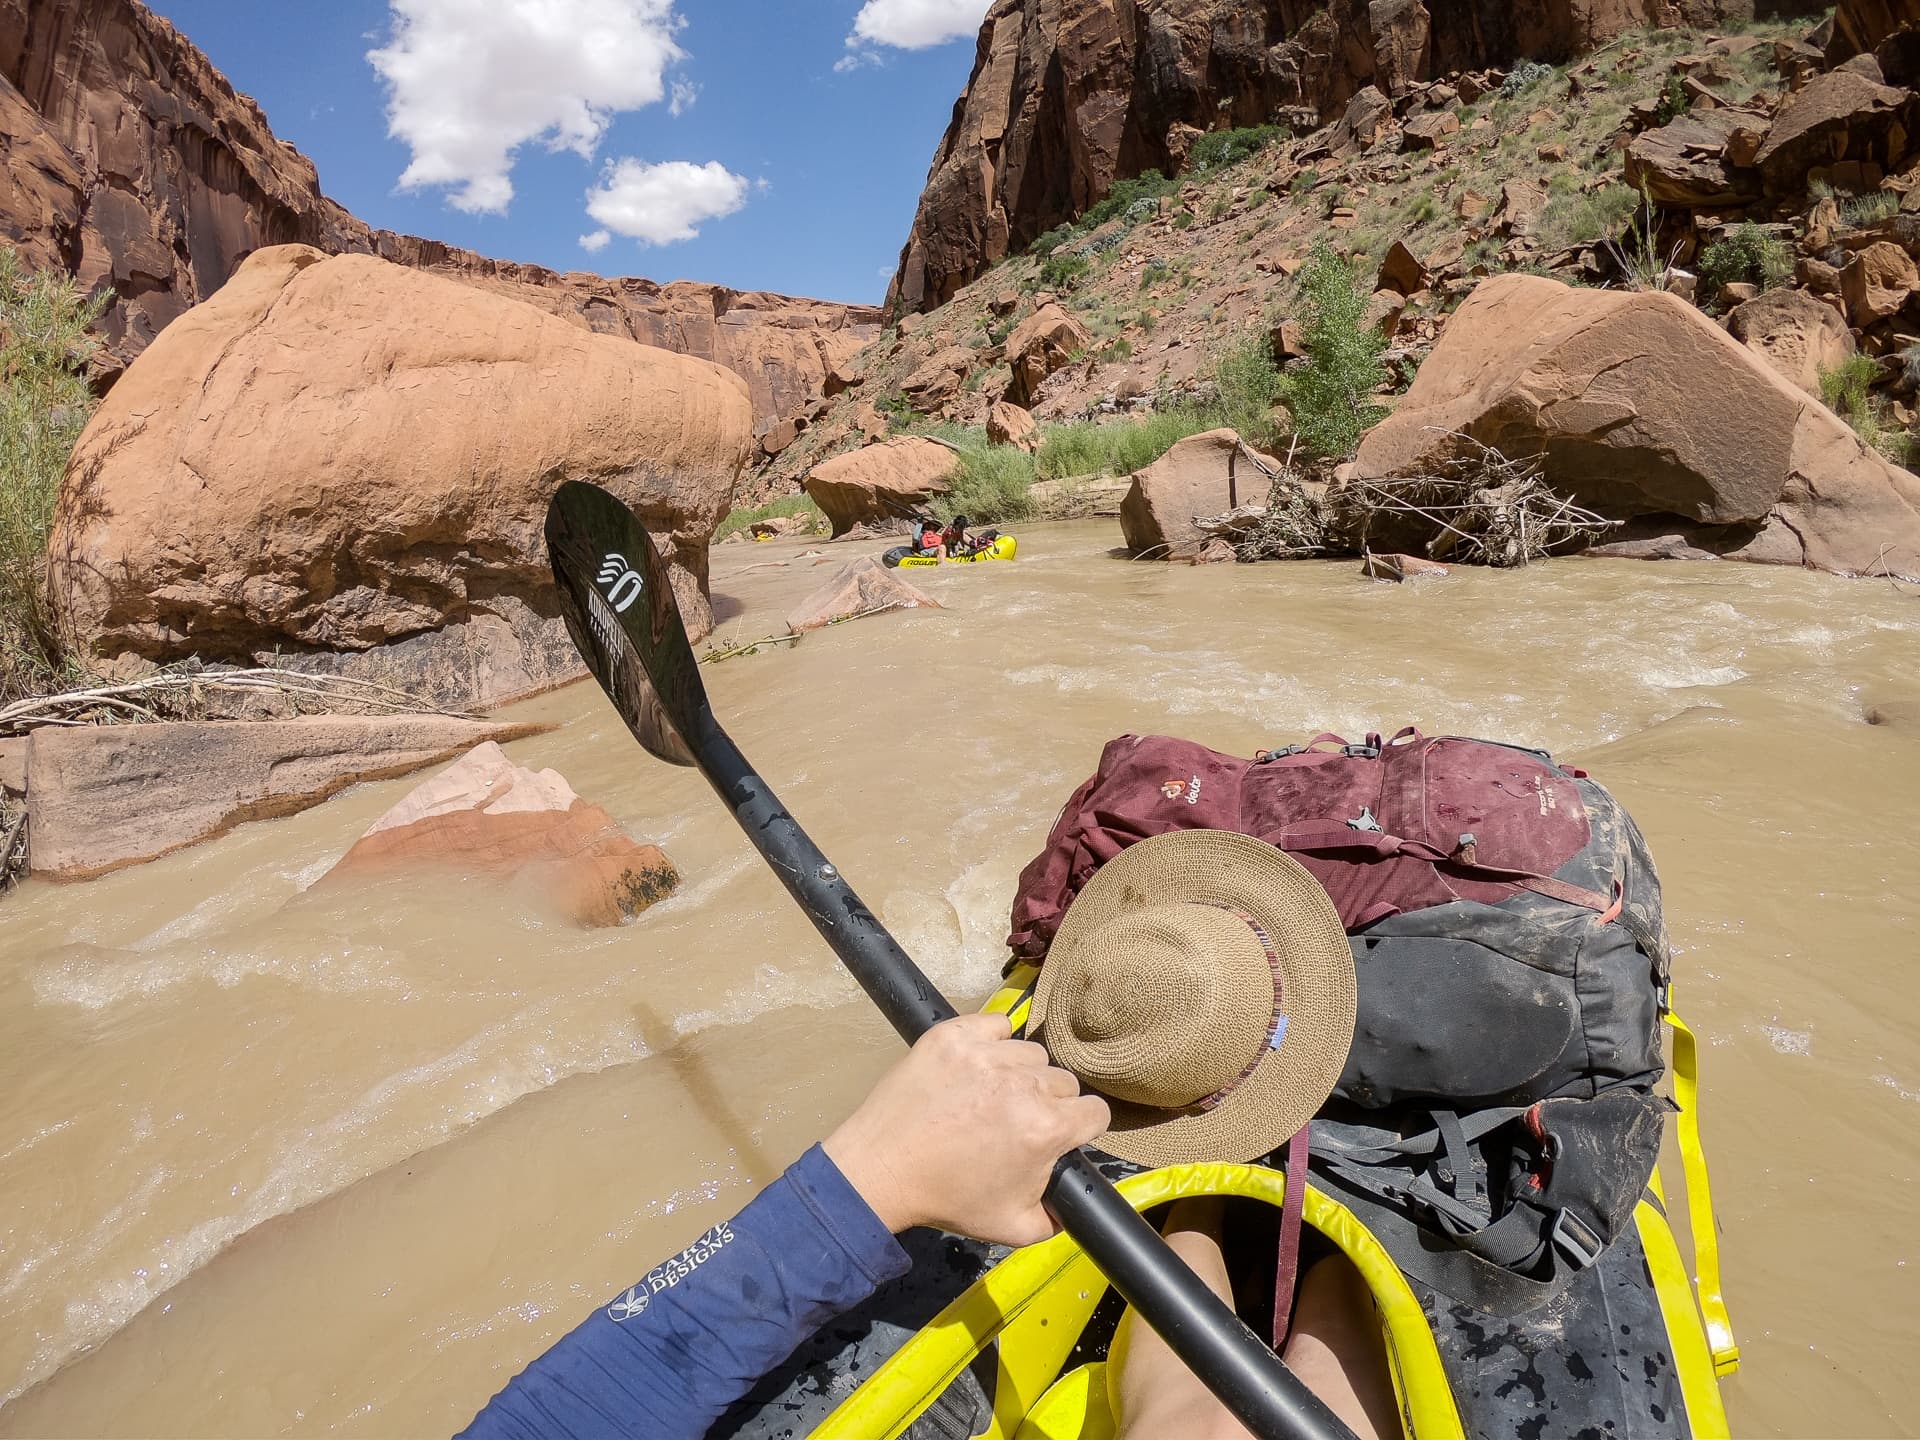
(1479, 508)
(181, 694)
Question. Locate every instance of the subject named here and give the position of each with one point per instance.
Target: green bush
(1848, 391)
(44, 405)
(989, 485)
(1229, 147)
(1117, 447)
(1749, 256)
(1524, 76)
(1673, 101)
(1248, 383)
(1052, 240)
(1331, 393)
(742, 518)
(1150, 186)
(1183, 221)
(1847, 388)
(1061, 269)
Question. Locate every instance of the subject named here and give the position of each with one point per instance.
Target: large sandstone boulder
(343, 455)
(1877, 283)
(486, 817)
(1039, 345)
(1009, 424)
(1688, 164)
(1202, 475)
(883, 484)
(860, 588)
(1641, 406)
(107, 796)
(1842, 115)
(1797, 334)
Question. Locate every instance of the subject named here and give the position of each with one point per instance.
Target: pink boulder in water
(486, 816)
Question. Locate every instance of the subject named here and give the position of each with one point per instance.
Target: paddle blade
(619, 607)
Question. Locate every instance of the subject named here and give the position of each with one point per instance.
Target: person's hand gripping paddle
(620, 610)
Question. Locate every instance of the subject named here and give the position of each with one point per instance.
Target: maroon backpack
(1511, 963)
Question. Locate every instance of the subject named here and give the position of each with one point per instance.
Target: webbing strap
(1700, 1217)
(1286, 1265)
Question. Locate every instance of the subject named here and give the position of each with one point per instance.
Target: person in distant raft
(1200, 983)
(929, 539)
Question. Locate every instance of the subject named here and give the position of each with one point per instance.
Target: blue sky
(786, 140)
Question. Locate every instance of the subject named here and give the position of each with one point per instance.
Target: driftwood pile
(1291, 525)
(1480, 508)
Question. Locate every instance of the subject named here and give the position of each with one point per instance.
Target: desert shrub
(44, 405)
(1304, 182)
(1117, 447)
(1127, 193)
(1120, 349)
(990, 484)
(1749, 256)
(1331, 393)
(1424, 207)
(1248, 382)
(1524, 76)
(1869, 209)
(1052, 240)
(743, 517)
(1229, 147)
(1219, 208)
(1847, 388)
(1183, 221)
(1673, 101)
(1060, 269)
(1576, 219)
(1154, 271)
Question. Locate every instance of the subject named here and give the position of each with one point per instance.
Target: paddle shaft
(1233, 1362)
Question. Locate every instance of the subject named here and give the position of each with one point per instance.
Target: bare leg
(1155, 1396)
(1335, 1348)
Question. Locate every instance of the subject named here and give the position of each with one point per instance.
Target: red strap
(1286, 1269)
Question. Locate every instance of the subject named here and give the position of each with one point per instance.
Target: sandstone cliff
(1068, 96)
(132, 162)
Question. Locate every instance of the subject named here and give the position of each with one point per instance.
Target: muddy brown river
(280, 1163)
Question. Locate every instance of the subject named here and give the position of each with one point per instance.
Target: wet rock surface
(488, 818)
(108, 796)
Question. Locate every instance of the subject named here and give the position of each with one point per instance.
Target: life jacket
(926, 535)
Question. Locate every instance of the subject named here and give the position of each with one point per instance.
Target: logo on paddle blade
(621, 581)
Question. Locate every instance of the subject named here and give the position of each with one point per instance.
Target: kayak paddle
(620, 610)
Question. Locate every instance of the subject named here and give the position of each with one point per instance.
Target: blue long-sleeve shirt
(693, 1335)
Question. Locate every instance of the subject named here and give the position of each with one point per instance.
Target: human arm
(961, 1133)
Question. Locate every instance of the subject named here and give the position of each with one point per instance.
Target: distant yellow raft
(1004, 547)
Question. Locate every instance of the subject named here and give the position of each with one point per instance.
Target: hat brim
(1290, 1082)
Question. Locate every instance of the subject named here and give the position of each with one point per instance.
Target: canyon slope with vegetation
(1291, 283)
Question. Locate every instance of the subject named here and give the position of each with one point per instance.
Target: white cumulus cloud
(916, 24)
(596, 241)
(659, 204)
(470, 81)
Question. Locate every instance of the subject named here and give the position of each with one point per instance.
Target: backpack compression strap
(1316, 836)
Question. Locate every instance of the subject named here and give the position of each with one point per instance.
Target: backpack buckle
(1266, 755)
(1361, 752)
(1578, 1243)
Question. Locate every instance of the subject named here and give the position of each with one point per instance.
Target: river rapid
(340, 1163)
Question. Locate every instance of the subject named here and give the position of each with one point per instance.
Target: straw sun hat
(1202, 984)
